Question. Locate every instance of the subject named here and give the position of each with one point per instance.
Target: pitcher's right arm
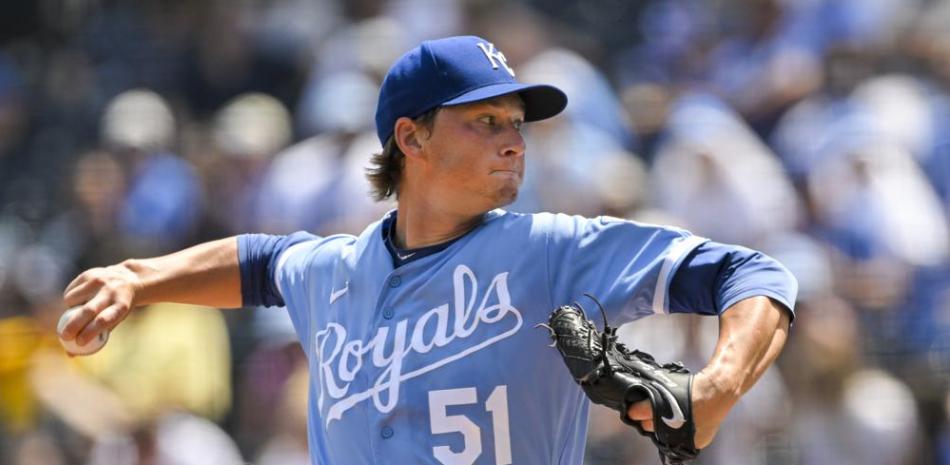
(206, 274)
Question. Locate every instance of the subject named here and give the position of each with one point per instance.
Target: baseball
(72, 346)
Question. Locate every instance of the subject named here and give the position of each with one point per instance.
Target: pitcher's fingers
(79, 293)
(85, 314)
(84, 277)
(641, 410)
(105, 320)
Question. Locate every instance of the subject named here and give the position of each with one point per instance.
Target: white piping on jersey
(338, 359)
(281, 260)
(677, 252)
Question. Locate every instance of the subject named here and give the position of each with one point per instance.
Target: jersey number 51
(441, 423)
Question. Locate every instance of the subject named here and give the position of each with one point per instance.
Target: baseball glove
(616, 377)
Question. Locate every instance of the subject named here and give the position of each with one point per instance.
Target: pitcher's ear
(408, 134)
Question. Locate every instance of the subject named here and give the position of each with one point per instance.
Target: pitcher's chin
(506, 196)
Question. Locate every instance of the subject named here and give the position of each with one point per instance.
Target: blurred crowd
(817, 131)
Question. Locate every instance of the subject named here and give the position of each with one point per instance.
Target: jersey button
(388, 313)
(395, 281)
(386, 433)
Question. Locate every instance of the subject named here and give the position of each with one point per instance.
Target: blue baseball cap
(453, 71)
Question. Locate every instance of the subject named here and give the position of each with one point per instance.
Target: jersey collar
(402, 256)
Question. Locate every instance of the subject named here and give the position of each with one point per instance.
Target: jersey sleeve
(626, 265)
(715, 276)
(259, 257)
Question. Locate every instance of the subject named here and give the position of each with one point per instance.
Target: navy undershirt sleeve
(715, 276)
(257, 257)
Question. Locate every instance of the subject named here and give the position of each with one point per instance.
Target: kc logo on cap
(493, 54)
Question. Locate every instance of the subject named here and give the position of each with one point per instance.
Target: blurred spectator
(251, 59)
(369, 46)
(830, 389)
(675, 37)
(154, 369)
(19, 337)
(718, 177)
(163, 201)
(247, 132)
(319, 184)
(593, 101)
(928, 45)
(768, 62)
(288, 446)
(875, 202)
(426, 19)
(137, 401)
(829, 118)
(98, 190)
(567, 153)
(174, 439)
(12, 106)
(648, 105)
(268, 385)
(899, 105)
(887, 434)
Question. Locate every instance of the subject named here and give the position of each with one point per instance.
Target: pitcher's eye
(487, 119)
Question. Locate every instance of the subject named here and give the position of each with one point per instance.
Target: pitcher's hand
(105, 296)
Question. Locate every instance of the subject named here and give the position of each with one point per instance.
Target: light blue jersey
(439, 361)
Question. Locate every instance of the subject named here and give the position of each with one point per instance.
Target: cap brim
(541, 101)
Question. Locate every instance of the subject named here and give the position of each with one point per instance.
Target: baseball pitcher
(429, 335)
